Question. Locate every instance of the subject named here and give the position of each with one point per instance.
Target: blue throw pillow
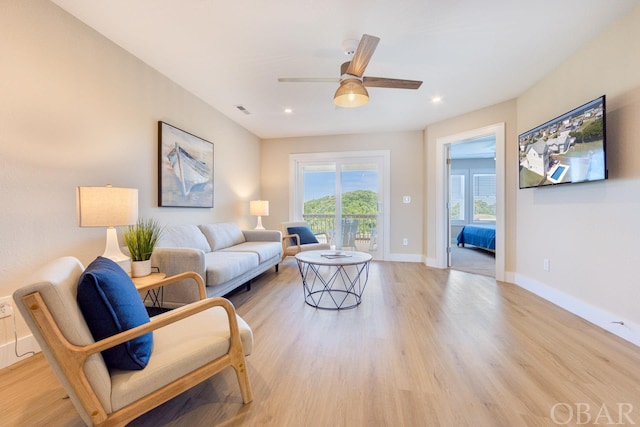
(111, 304)
(305, 233)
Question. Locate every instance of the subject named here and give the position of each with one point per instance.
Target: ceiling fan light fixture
(350, 94)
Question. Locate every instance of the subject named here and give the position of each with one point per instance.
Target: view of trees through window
(484, 197)
(457, 197)
(362, 204)
(357, 218)
(340, 195)
(481, 195)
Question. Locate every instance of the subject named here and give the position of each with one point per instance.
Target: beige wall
(585, 230)
(588, 231)
(75, 109)
(504, 112)
(406, 178)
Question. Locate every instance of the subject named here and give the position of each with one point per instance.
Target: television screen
(568, 149)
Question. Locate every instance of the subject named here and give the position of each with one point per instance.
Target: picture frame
(185, 169)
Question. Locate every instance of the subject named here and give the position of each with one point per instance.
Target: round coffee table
(333, 280)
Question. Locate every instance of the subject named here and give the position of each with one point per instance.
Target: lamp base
(113, 252)
(259, 225)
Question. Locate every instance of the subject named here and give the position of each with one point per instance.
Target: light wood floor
(425, 348)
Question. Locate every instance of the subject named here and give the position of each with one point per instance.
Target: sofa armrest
(172, 261)
(262, 235)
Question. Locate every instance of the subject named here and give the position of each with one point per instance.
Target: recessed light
(436, 99)
(288, 110)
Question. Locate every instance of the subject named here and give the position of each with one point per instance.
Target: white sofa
(224, 255)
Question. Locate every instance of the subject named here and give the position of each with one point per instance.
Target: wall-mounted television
(568, 149)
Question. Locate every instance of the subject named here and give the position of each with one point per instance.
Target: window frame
(465, 174)
(471, 194)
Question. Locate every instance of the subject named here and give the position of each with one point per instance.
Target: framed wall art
(185, 169)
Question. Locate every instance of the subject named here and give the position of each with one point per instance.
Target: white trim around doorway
(441, 233)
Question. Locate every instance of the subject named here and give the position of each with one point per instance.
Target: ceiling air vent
(241, 108)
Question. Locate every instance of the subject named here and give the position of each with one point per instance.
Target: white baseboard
(404, 257)
(430, 262)
(509, 277)
(628, 331)
(25, 345)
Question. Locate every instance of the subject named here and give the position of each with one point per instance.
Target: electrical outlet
(545, 264)
(6, 308)
(405, 241)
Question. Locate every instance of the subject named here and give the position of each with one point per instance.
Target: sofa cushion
(305, 233)
(222, 235)
(111, 304)
(265, 250)
(223, 266)
(183, 236)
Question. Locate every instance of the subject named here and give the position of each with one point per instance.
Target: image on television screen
(567, 149)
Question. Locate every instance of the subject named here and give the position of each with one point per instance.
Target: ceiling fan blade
(363, 54)
(391, 83)
(309, 80)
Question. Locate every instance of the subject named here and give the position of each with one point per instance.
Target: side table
(155, 295)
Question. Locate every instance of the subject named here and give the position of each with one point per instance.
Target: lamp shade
(259, 207)
(107, 206)
(351, 93)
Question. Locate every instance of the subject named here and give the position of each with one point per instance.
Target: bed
(483, 236)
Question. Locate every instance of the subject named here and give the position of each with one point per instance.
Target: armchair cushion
(111, 304)
(305, 233)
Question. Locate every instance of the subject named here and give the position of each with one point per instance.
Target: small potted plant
(141, 238)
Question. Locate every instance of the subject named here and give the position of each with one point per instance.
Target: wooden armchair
(293, 243)
(190, 344)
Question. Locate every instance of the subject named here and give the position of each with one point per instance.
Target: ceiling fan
(352, 92)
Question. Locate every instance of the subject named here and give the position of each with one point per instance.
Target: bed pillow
(111, 304)
(305, 233)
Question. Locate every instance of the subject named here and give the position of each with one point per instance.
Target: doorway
(344, 196)
(442, 233)
(472, 205)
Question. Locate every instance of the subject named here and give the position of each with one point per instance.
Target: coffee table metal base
(334, 284)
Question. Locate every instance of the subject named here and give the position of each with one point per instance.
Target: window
(484, 197)
(457, 209)
(338, 192)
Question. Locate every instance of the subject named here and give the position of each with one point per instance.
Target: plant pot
(140, 268)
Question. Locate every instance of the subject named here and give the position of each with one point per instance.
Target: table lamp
(259, 208)
(108, 207)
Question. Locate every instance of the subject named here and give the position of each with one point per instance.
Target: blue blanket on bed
(483, 236)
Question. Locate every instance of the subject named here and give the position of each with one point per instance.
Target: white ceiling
(471, 53)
